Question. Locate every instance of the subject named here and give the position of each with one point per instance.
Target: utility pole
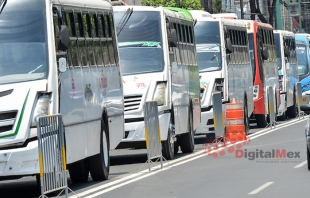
(241, 8)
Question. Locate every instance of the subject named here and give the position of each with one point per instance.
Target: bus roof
(236, 22)
(226, 15)
(283, 32)
(168, 12)
(180, 10)
(250, 25)
(99, 4)
(303, 37)
(199, 14)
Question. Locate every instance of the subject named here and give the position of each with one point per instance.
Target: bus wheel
(78, 171)
(261, 120)
(187, 140)
(168, 145)
(100, 164)
(292, 111)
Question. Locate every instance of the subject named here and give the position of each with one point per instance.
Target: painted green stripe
(19, 119)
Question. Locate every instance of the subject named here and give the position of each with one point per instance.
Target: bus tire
(168, 146)
(99, 164)
(292, 111)
(78, 171)
(261, 120)
(187, 140)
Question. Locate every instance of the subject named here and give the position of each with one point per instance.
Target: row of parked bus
(96, 65)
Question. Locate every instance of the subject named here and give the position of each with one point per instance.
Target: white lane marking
(137, 176)
(260, 188)
(277, 126)
(301, 164)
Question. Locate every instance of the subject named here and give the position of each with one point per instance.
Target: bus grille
(132, 102)
(7, 120)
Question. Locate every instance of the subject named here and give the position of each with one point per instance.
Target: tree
(186, 4)
(217, 6)
(255, 10)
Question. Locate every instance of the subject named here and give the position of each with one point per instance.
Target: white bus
(224, 66)
(225, 16)
(158, 62)
(59, 57)
(287, 70)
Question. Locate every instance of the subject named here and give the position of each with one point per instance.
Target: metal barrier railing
(271, 107)
(52, 155)
(299, 98)
(218, 115)
(152, 133)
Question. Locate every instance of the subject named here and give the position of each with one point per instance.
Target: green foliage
(217, 6)
(186, 4)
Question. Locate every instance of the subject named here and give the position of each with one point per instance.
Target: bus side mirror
(228, 46)
(173, 39)
(62, 38)
(286, 51)
(265, 53)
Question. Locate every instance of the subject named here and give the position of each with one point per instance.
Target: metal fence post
(152, 133)
(299, 98)
(218, 115)
(52, 155)
(271, 107)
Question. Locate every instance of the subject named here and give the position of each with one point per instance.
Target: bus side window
(103, 39)
(245, 49)
(72, 52)
(177, 50)
(232, 55)
(189, 59)
(192, 49)
(96, 41)
(109, 39)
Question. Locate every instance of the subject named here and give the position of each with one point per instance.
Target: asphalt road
(200, 174)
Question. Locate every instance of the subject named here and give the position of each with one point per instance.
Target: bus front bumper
(206, 126)
(20, 161)
(135, 131)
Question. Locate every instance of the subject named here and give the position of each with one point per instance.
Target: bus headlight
(41, 109)
(160, 93)
(255, 91)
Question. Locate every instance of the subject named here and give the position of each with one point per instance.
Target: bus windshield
(140, 42)
(208, 45)
(278, 50)
(251, 47)
(23, 41)
(301, 51)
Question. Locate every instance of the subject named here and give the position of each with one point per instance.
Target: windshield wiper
(2, 4)
(123, 20)
(35, 69)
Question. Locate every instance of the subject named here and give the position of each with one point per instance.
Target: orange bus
(264, 68)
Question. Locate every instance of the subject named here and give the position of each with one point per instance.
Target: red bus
(264, 68)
